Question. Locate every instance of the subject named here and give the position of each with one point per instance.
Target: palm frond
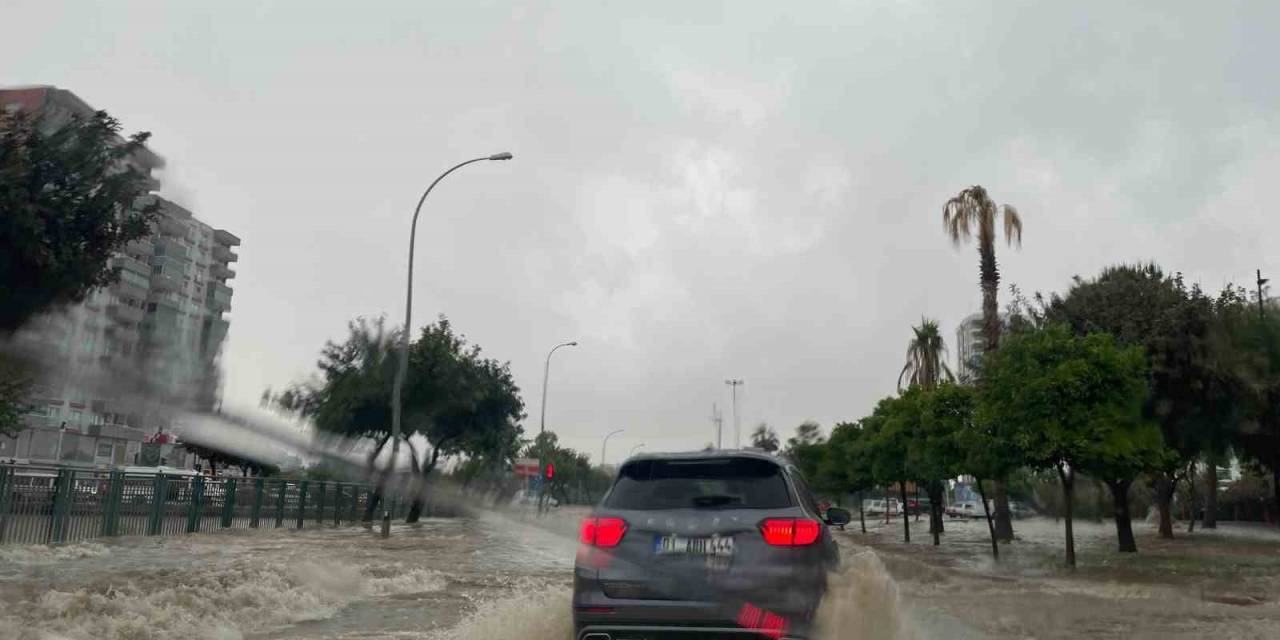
(1012, 224)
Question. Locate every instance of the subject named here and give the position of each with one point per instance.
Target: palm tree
(926, 358)
(970, 209)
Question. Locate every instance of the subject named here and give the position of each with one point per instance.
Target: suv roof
(710, 454)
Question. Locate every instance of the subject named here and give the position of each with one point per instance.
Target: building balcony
(221, 271)
(127, 263)
(222, 253)
(226, 237)
(169, 247)
(164, 280)
(125, 313)
(218, 296)
(172, 226)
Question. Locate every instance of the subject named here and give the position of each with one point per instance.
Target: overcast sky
(700, 190)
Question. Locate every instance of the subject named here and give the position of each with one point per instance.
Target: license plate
(714, 546)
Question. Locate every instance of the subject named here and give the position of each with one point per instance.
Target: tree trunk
(1124, 523)
(1004, 519)
(906, 522)
(862, 518)
(420, 494)
(371, 507)
(1191, 488)
(1068, 481)
(887, 498)
(1275, 488)
(935, 513)
(1211, 493)
(1164, 504)
(991, 529)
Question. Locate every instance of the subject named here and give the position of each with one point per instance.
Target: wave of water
(213, 603)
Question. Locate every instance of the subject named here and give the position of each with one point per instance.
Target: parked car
(706, 544)
(877, 507)
(965, 509)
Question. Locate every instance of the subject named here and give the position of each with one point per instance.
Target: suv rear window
(713, 483)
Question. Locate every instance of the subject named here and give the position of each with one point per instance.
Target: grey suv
(700, 545)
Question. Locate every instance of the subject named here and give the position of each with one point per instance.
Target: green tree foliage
(806, 448)
(763, 437)
(1068, 403)
(69, 199)
(455, 399)
(891, 428)
(1253, 340)
(844, 466)
(575, 481)
(1141, 305)
(934, 454)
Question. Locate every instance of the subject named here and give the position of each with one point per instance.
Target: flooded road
(481, 577)
(437, 579)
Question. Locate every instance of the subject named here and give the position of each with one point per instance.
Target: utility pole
(718, 421)
(737, 426)
(1262, 314)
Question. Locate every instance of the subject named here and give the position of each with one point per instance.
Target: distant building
(116, 367)
(970, 344)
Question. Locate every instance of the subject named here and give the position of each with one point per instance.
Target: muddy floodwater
(494, 575)
(480, 577)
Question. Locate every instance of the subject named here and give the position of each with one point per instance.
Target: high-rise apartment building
(116, 367)
(970, 343)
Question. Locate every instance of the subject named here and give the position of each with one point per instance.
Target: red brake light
(788, 532)
(602, 532)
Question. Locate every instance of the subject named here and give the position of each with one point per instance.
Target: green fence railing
(50, 505)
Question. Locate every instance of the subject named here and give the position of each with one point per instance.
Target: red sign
(525, 467)
(551, 471)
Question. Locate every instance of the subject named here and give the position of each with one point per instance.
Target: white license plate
(714, 546)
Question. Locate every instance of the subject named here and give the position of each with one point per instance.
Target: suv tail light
(602, 532)
(790, 532)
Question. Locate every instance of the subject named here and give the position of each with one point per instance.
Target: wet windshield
(739, 483)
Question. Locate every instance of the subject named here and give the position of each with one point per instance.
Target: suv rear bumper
(647, 632)
(780, 613)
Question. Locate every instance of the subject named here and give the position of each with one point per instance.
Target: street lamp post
(546, 371)
(633, 449)
(606, 444)
(403, 369)
(1262, 314)
(737, 428)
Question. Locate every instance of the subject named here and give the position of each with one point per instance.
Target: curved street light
(403, 369)
(546, 370)
(633, 449)
(606, 444)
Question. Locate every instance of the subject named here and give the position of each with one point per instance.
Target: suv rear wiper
(715, 500)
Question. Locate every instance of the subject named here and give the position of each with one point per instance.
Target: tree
(845, 466)
(765, 438)
(892, 425)
(1254, 340)
(1172, 323)
(69, 199)
(987, 449)
(455, 399)
(926, 358)
(973, 209)
(809, 432)
(1069, 403)
(934, 453)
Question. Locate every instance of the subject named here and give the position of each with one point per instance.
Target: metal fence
(46, 505)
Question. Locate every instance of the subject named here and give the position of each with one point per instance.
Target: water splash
(863, 603)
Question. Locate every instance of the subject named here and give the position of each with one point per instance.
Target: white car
(877, 507)
(966, 509)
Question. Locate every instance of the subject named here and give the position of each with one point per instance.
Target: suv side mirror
(838, 517)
